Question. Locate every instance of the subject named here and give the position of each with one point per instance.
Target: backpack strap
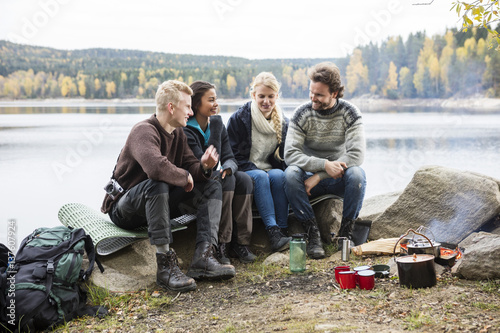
(91, 254)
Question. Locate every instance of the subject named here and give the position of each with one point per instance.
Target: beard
(322, 105)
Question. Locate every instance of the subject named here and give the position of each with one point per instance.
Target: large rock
(451, 203)
(374, 206)
(134, 267)
(480, 259)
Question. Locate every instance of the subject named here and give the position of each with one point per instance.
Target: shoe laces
(173, 264)
(242, 250)
(222, 251)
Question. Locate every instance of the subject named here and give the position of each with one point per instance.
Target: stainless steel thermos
(346, 249)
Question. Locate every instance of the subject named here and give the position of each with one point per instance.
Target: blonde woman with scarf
(257, 134)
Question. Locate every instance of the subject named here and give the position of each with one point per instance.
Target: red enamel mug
(366, 279)
(347, 279)
(340, 269)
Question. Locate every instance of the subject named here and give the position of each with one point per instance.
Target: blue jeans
(270, 197)
(351, 187)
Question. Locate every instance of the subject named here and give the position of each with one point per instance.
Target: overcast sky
(252, 29)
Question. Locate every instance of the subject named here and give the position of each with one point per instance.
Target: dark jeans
(151, 202)
(351, 187)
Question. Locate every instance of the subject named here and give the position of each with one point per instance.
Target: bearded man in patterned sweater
(324, 148)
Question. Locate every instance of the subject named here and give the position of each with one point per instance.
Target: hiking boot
(314, 247)
(169, 275)
(346, 227)
(243, 253)
(205, 266)
(284, 231)
(222, 256)
(279, 242)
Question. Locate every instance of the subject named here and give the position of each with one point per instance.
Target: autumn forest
(420, 66)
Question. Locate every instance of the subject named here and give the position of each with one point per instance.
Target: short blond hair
(170, 92)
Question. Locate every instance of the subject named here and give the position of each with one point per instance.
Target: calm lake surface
(52, 155)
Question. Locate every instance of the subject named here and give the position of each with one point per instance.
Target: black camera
(112, 188)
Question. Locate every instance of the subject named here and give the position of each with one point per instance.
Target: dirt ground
(271, 299)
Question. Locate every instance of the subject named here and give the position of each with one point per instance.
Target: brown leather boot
(205, 266)
(169, 275)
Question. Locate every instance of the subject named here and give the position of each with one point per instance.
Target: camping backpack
(48, 272)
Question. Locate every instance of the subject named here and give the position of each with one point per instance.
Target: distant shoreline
(366, 104)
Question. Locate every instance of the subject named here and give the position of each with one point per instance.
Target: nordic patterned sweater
(335, 134)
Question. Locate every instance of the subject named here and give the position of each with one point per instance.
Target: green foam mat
(107, 237)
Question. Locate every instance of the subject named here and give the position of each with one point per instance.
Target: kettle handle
(406, 234)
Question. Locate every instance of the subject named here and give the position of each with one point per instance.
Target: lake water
(52, 155)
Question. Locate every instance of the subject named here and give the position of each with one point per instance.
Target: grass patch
(486, 306)
(490, 286)
(416, 320)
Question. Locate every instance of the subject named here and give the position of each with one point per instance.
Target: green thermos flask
(298, 253)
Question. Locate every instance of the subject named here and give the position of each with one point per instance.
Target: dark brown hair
(199, 89)
(329, 74)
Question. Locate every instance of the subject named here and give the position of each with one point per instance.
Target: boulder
(134, 267)
(277, 259)
(329, 216)
(130, 269)
(374, 206)
(451, 203)
(480, 259)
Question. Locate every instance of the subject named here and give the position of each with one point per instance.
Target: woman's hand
(210, 158)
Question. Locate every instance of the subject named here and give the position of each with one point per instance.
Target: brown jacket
(150, 152)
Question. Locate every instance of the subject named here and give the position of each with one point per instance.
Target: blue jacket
(239, 129)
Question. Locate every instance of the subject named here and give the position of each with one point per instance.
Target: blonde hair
(170, 92)
(267, 79)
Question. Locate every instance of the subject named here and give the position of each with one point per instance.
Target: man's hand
(189, 186)
(335, 169)
(311, 182)
(226, 172)
(210, 158)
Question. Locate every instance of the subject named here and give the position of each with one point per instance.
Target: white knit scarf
(264, 138)
(263, 125)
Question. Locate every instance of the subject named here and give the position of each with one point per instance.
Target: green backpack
(48, 273)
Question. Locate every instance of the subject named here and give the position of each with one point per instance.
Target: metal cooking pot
(416, 270)
(424, 247)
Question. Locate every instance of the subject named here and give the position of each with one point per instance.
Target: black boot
(169, 274)
(314, 246)
(279, 242)
(222, 256)
(205, 266)
(346, 227)
(242, 252)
